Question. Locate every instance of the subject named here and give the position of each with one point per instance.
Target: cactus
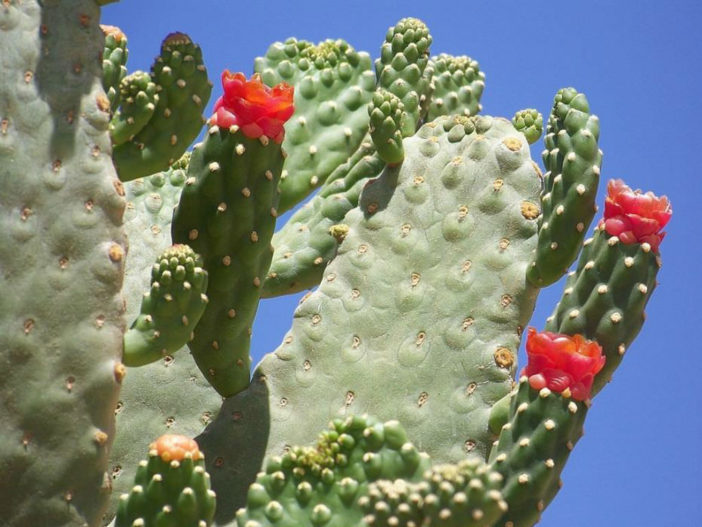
(387, 114)
(458, 86)
(429, 240)
(159, 136)
(573, 161)
(170, 488)
(170, 310)
(62, 252)
(334, 84)
(114, 58)
(227, 213)
(530, 122)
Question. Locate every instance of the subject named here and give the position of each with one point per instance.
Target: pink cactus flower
(255, 108)
(562, 363)
(635, 217)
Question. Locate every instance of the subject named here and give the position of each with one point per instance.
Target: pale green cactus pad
(308, 241)
(426, 299)
(333, 84)
(62, 250)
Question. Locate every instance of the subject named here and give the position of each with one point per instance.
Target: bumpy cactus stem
(183, 92)
(458, 86)
(172, 488)
(114, 58)
(139, 97)
(463, 495)
(321, 485)
(227, 213)
(400, 69)
(170, 310)
(386, 116)
(532, 450)
(605, 297)
(530, 122)
(572, 160)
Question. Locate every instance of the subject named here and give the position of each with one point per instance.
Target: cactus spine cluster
(429, 237)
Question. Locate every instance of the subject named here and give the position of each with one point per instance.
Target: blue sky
(638, 62)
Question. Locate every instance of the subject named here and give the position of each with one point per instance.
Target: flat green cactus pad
(308, 241)
(62, 250)
(453, 270)
(333, 84)
(426, 300)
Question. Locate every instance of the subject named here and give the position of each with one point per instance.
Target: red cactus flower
(561, 362)
(176, 447)
(255, 108)
(635, 217)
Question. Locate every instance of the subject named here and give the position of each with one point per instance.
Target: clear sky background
(638, 61)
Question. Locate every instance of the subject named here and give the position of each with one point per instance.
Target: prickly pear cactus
(62, 250)
(430, 238)
(334, 84)
(426, 258)
(451, 354)
(168, 396)
(160, 135)
(170, 488)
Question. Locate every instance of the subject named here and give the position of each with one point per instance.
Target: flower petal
(635, 217)
(559, 361)
(257, 109)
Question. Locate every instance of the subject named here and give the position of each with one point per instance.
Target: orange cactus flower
(174, 447)
(561, 362)
(255, 108)
(635, 217)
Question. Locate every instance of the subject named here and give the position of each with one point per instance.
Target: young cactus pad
(333, 84)
(171, 488)
(170, 310)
